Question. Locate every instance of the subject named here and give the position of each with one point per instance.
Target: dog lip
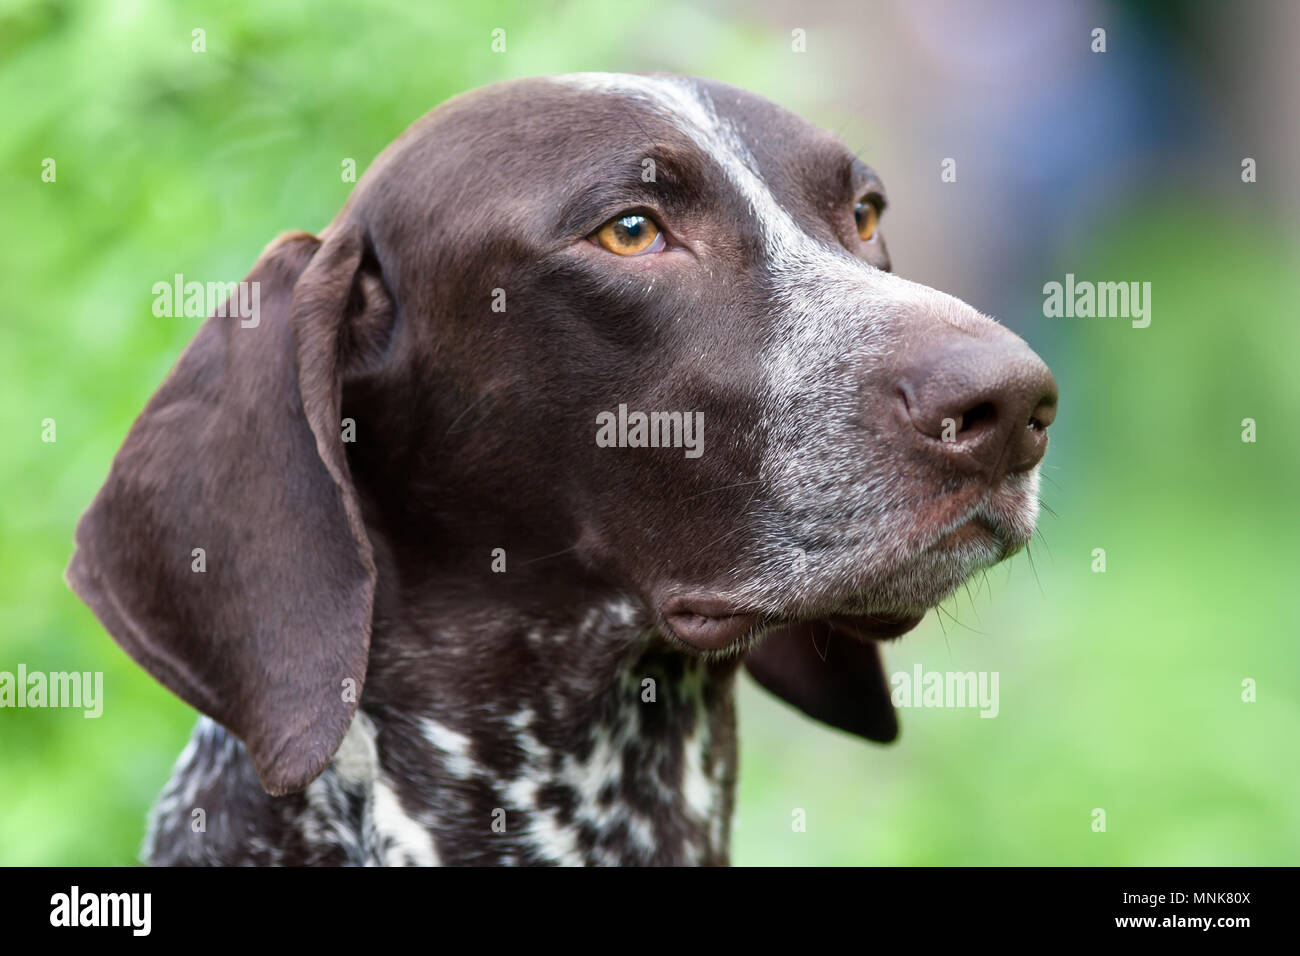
(712, 623)
(706, 622)
(875, 627)
(964, 519)
(972, 526)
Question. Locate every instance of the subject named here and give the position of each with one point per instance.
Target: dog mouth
(711, 621)
(708, 623)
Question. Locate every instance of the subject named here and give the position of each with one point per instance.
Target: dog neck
(519, 743)
(532, 741)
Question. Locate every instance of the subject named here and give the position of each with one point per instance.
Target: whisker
(466, 410)
(546, 556)
(722, 537)
(1038, 533)
(956, 620)
(1029, 552)
(709, 491)
(971, 600)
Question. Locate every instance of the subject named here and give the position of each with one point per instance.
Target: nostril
(972, 419)
(1043, 414)
(984, 406)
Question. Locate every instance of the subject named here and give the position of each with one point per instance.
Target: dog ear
(831, 677)
(226, 551)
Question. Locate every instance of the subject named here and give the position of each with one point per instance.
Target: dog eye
(630, 235)
(865, 215)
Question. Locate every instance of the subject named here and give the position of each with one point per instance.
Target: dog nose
(981, 405)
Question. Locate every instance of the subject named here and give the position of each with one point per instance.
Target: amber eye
(629, 235)
(865, 215)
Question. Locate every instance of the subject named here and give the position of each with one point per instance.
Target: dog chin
(886, 610)
(885, 605)
(932, 578)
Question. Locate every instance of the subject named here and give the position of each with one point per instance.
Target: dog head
(641, 332)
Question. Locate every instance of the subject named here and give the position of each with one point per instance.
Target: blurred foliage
(1118, 690)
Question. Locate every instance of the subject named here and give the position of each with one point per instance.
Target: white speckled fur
(829, 314)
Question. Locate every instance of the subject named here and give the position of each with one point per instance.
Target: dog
(599, 387)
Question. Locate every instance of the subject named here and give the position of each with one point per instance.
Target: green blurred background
(1119, 690)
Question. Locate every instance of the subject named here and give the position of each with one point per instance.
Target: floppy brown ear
(830, 676)
(239, 453)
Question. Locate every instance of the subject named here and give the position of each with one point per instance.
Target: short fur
(377, 688)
